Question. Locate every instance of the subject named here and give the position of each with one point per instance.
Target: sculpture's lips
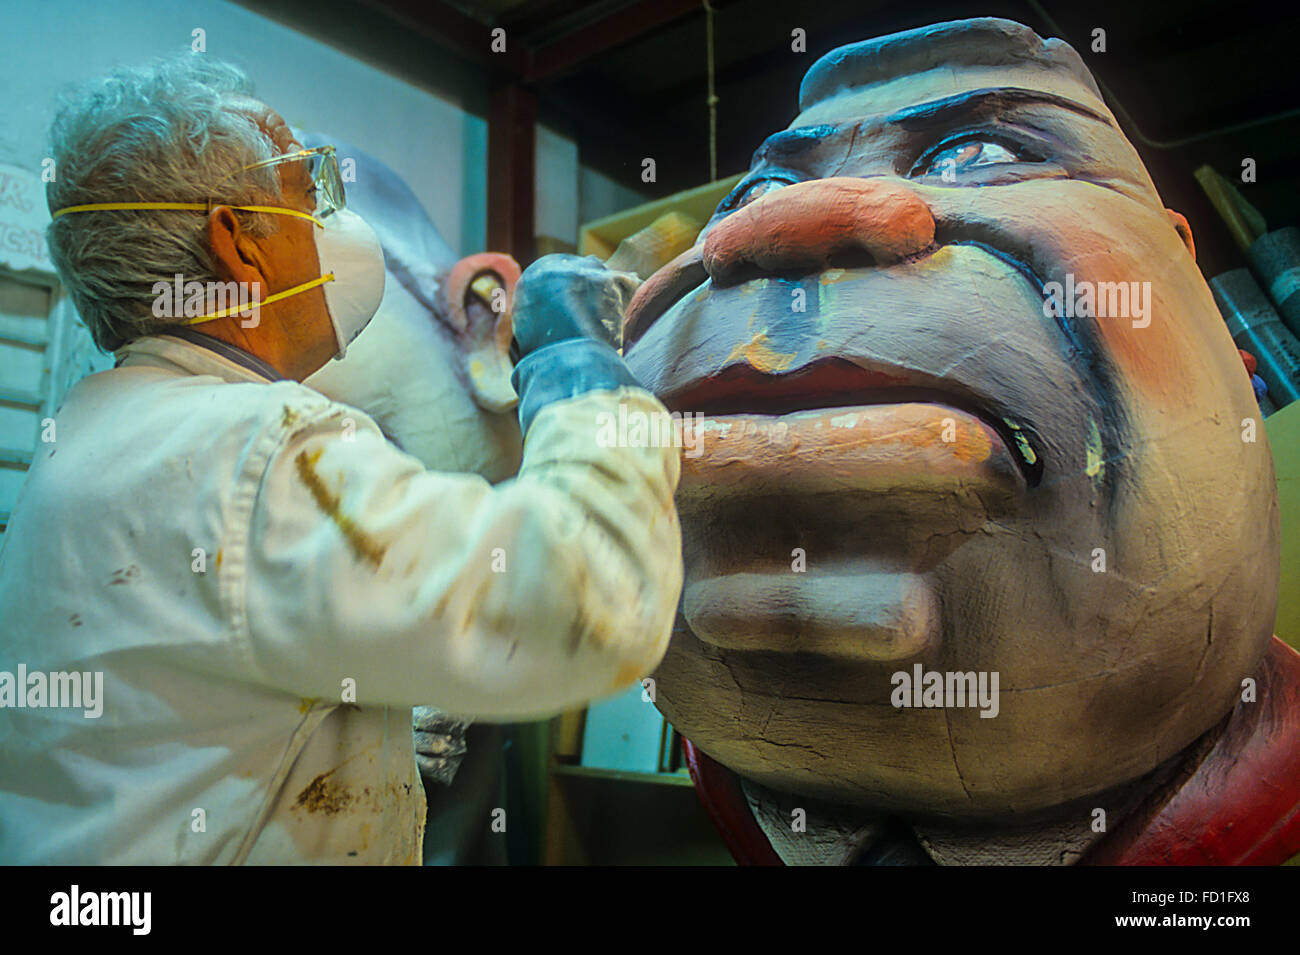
(874, 474)
(882, 448)
(878, 492)
(836, 426)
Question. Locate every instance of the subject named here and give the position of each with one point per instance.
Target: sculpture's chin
(828, 725)
(860, 614)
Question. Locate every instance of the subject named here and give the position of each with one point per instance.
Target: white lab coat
(332, 560)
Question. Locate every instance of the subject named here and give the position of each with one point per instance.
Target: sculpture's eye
(746, 193)
(953, 159)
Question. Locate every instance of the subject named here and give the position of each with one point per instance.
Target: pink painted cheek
(1152, 340)
(1153, 346)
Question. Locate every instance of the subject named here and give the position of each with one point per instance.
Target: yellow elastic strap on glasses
(186, 206)
(239, 309)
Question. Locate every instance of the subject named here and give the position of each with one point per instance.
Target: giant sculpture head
(968, 405)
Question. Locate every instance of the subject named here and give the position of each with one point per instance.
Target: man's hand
(568, 296)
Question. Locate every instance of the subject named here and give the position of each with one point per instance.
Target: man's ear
(1183, 229)
(238, 256)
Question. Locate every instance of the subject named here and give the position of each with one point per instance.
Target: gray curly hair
(163, 132)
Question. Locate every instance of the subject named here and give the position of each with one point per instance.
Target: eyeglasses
(323, 170)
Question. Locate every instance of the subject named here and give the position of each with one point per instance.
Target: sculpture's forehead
(856, 103)
(1061, 103)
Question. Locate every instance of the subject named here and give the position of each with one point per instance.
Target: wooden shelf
(608, 817)
(624, 776)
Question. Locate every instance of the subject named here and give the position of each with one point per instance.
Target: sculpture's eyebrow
(991, 100)
(789, 144)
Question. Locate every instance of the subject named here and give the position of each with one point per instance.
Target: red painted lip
(825, 383)
(833, 383)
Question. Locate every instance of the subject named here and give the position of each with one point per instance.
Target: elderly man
(982, 550)
(254, 586)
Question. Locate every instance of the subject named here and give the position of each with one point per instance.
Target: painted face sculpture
(968, 408)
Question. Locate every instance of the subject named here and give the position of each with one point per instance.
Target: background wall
(432, 142)
(437, 145)
(428, 126)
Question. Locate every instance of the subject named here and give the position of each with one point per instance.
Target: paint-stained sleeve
(516, 601)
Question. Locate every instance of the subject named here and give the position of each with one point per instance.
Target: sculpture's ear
(1183, 229)
(480, 319)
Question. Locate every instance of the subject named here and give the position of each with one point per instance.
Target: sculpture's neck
(1231, 798)
(1060, 837)
(809, 832)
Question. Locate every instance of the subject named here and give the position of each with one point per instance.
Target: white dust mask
(348, 249)
(351, 270)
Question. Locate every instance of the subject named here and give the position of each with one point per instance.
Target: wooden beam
(573, 49)
(512, 143)
(454, 31)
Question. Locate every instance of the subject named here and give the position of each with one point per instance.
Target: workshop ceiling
(1193, 81)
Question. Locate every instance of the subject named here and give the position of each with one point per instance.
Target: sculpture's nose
(810, 226)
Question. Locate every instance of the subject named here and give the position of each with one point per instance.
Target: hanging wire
(713, 96)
